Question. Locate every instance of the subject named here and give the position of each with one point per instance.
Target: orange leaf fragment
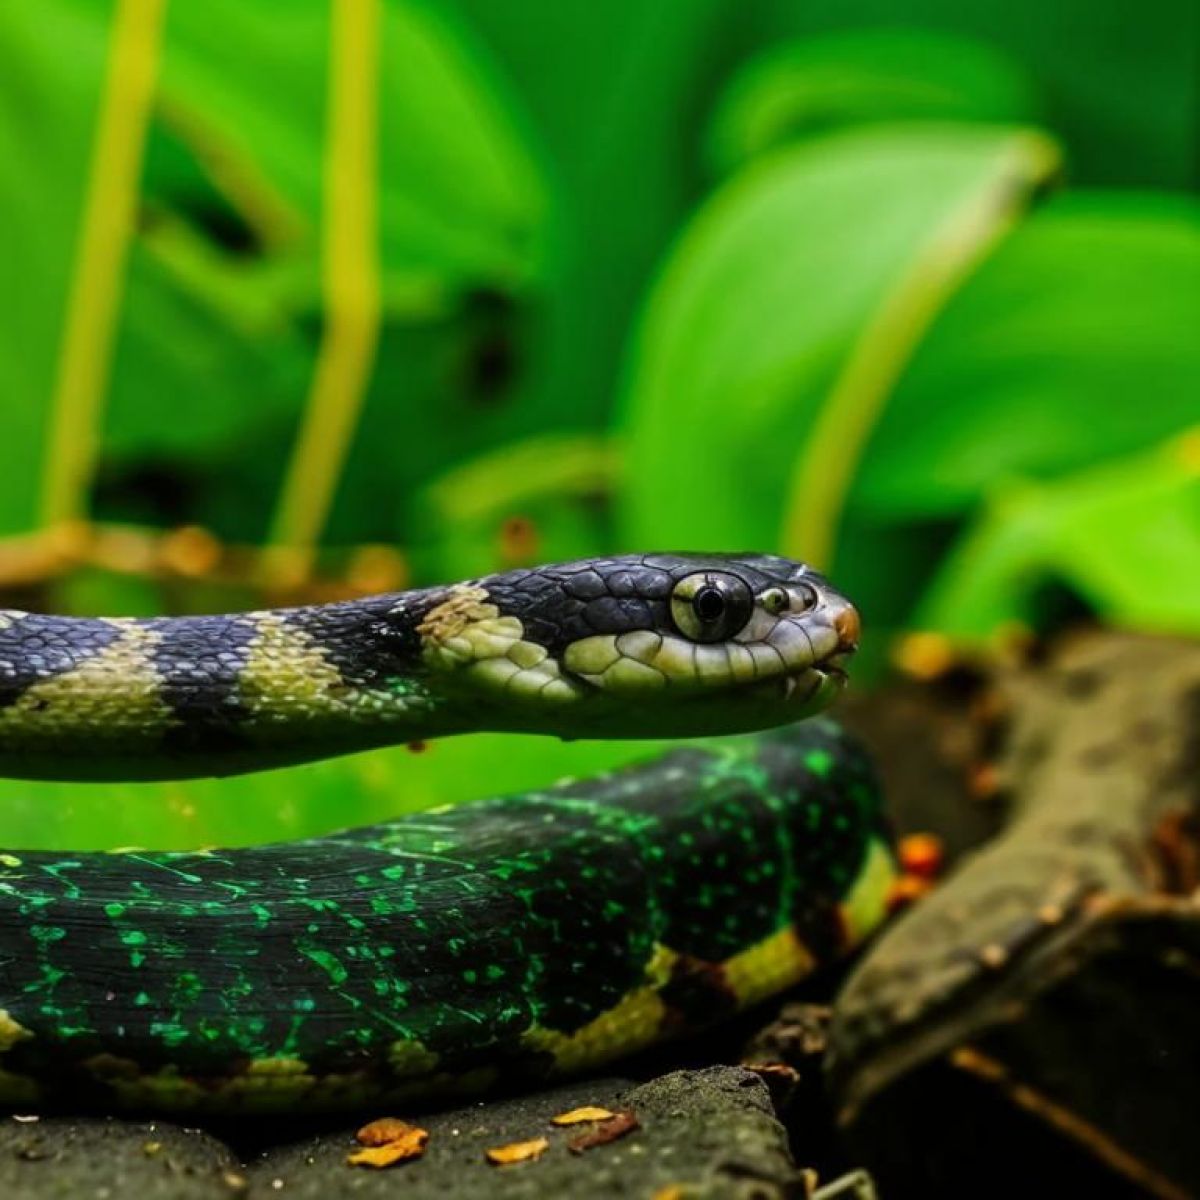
(589, 1112)
(386, 1129)
(385, 1156)
(922, 854)
(388, 1141)
(515, 1152)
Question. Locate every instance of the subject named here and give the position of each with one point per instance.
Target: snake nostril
(848, 626)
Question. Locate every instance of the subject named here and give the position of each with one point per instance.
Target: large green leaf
(796, 282)
(805, 88)
(1076, 341)
(1125, 537)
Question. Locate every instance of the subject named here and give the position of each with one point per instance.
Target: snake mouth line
(835, 665)
(801, 687)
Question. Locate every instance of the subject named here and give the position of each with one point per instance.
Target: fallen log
(1034, 1023)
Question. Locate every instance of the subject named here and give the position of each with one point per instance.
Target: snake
(461, 948)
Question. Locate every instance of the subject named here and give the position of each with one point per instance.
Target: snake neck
(186, 696)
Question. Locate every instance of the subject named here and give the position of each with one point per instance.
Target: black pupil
(709, 604)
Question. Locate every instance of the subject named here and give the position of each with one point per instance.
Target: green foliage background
(921, 298)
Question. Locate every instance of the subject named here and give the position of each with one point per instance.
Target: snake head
(669, 645)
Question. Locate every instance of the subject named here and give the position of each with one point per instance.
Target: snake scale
(507, 939)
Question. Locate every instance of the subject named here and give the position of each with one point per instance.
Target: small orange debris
(189, 551)
(589, 1112)
(519, 541)
(983, 781)
(922, 854)
(993, 955)
(671, 1192)
(617, 1126)
(387, 1141)
(515, 1152)
(924, 656)
(906, 890)
(374, 569)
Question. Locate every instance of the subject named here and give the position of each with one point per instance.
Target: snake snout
(848, 625)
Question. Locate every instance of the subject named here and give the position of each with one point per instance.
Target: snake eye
(775, 600)
(710, 606)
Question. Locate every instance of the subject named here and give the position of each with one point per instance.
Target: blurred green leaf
(1118, 81)
(48, 95)
(805, 88)
(768, 294)
(614, 89)
(1077, 340)
(246, 86)
(1125, 537)
(223, 300)
(210, 334)
(297, 802)
(543, 499)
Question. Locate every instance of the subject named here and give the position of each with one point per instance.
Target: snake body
(508, 938)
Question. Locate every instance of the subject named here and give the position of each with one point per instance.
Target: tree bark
(1041, 1005)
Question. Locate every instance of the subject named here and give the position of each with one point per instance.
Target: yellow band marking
(287, 676)
(11, 1032)
(866, 903)
(467, 631)
(464, 606)
(768, 967)
(635, 1021)
(112, 694)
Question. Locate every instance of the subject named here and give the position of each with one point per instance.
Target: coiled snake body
(507, 938)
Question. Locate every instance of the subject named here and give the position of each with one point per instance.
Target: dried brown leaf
(617, 1126)
(779, 1071)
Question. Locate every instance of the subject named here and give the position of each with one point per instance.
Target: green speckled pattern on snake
(458, 948)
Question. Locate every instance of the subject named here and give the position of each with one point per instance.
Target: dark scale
(200, 660)
(36, 648)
